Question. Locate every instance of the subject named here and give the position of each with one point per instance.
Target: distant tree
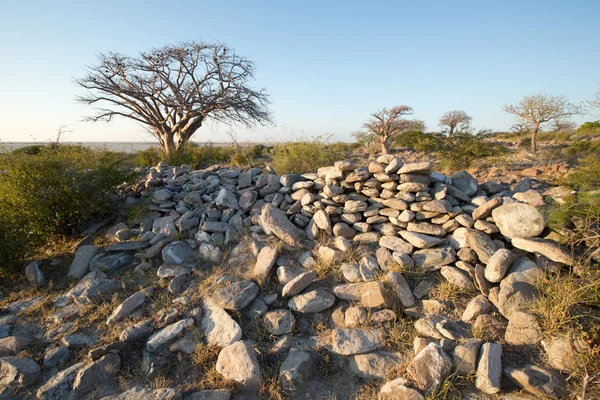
(363, 138)
(540, 108)
(595, 103)
(563, 125)
(520, 128)
(455, 121)
(174, 89)
(387, 123)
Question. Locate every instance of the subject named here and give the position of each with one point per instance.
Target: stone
(523, 329)
(11, 345)
(430, 368)
(537, 380)
(323, 222)
(355, 316)
(398, 390)
(55, 355)
(226, 199)
(298, 284)
(96, 374)
(423, 168)
(177, 253)
(129, 305)
(356, 341)
(295, 371)
(235, 295)
(215, 226)
(279, 322)
(489, 368)
(77, 341)
(140, 393)
(313, 301)
(218, 326)
(138, 331)
(350, 291)
(369, 268)
(264, 263)
(238, 362)
(478, 305)
(486, 208)
(375, 295)
(434, 259)
(376, 365)
(466, 355)
(420, 240)
(286, 274)
(81, 264)
(426, 326)
(518, 220)
(394, 243)
(452, 330)
(276, 221)
(167, 334)
(101, 351)
(465, 183)
(481, 243)
(34, 274)
(458, 278)
(165, 225)
(18, 372)
(401, 289)
(59, 386)
(498, 265)
(564, 352)
(546, 248)
(530, 197)
(215, 394)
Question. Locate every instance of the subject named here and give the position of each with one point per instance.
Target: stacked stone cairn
(329, 247)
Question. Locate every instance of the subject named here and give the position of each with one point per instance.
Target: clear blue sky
(327, 64)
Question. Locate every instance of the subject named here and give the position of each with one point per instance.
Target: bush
(191, 154)
(306, 155)
(48, 192)
(460, 151)
(419, 141)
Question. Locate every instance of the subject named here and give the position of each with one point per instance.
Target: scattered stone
(236, 295)
(59, 386)
(545, 248)
(81, 264)
(375, 365)
(238, 363)
(167, 334)
(466, 356)
(430, 368)
(295, 371)
(264, 263)
(537, 380)
(355, 341)
(313, 301)
(279, 322)
(218, 327)
(498, 264)
(489, 368)
(523, 328)
(298, 284)
(518, 220)
(276, 221)
(129, 305)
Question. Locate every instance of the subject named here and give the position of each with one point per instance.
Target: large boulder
(276, 221)
(518, 220)
(238, 363)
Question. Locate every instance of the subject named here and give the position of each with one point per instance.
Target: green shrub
(306, 155)
(191, 154)
(460, 151)
(48, 192)
(419, 141)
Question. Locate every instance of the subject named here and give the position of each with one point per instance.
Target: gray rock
(430, 368)
(426, 326)
(18, 372)
(59, 386)
(369, 268)
(477, 306)
(95, 375)
(264, 263)
(279, 322)
(215, 226)
(376, 365)
(523, 329)
(564, 352)
(226, 199)
(498, 264)
(140, 393)
(356, 341)
(400, 287)
(350, 291)
(81, 264)
(298, 284)
(236, 295)
(420, 240)
(458, 278)
(481, 243)
(375, 295)
(138, 331)
(55, 355)
(129, 305)
(177, 253)
(489, 368)
(295, 371)
(34, 274)
(537, 380)
(313, 301)
(167, 334)
(398, 390)
(518, 220)
(465, 183)
(238, 363)
(546, 248)
(164, 225)
(396, 244)
(215, 394)
(466, 356)
(276, 221)
(434, 259)
(218, 327)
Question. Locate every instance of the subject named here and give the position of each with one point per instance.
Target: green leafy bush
(48, 192)
(306, 155)
(420, 141)
(460, 151)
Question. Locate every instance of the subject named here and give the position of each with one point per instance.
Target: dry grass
(270, 389)
(161, 382)
(447, 291)
(400, 336)
(453, 387)
(368, 391)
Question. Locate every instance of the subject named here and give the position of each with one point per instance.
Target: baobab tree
(537, 109)
(387, 123)
(173, 90)
(595, 103)
(458, 121)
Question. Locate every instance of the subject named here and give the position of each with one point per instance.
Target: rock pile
(333, 248)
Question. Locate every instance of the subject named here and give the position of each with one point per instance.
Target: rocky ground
(387, 281)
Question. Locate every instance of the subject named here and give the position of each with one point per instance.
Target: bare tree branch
(172, 90)
(458, 121)
(387, 123)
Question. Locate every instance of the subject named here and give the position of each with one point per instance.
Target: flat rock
(398, 389)
(434, 259)
(218, 326)
(298, 284)
(313, 301)
(523, 329)
(59, 386)
(430, 368)
(376, 365)
(236, 295)
(276, 221)
(489, 368)
(238, 363)
(401, 289)
(420, 240)
(129, 305)
(537, 380)
(18, 371)
(481, 243)
(466, 356)
(546, 248)
(177, 253)
(356, 341)
(295, 371)
(81, 264)
(264, 262)
(279, 322)
(167, 334)
(140, 393)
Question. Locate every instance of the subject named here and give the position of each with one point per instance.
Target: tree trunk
(385, 145)
(451, 131)
(168, 143)
(533, 138)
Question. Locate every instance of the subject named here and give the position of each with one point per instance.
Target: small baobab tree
(537, 109)
(389, 122)
(173, 90)
(455, 121)
(595, 103)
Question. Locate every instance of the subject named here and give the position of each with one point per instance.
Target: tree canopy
(173, 90)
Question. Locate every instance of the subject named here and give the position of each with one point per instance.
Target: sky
(326, 64)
